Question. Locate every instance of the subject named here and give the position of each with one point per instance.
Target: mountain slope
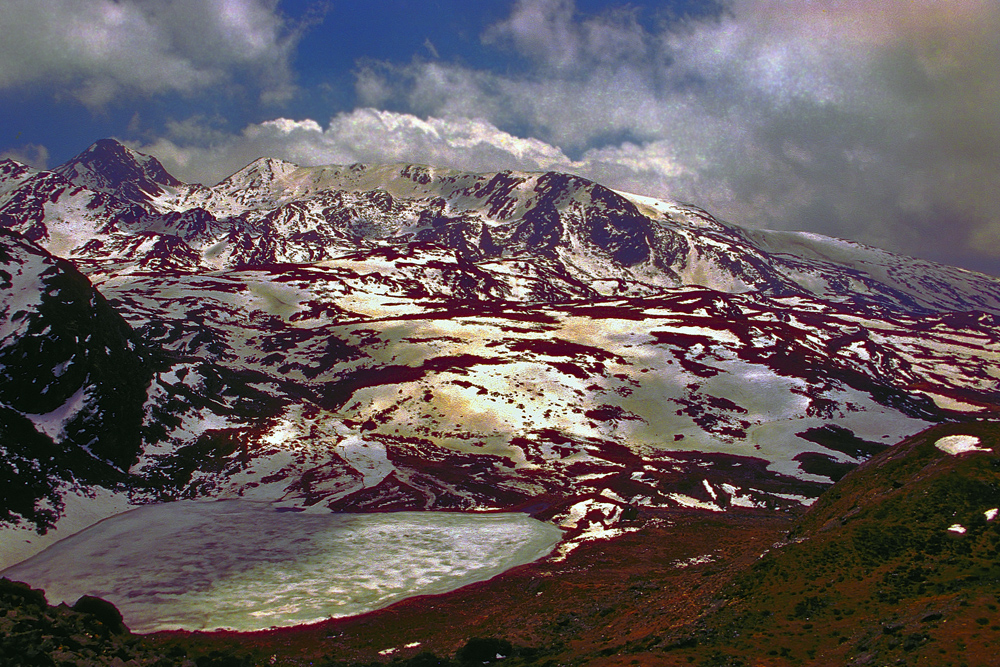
(83, 399)
(896, 564)
(574, 238)
(373, 338)
(72, 384)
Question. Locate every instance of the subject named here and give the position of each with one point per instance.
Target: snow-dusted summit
(111, 168)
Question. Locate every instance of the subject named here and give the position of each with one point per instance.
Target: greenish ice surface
(243, 565)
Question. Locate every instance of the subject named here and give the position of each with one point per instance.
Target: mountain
(72, 384)
(534, 237)
(111, 168)
(387, 337)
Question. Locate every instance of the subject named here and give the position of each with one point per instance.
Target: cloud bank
(33, 155)
(99, 49)
(874, 121)
(197, 153)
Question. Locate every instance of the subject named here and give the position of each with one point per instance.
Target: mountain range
(373, 338)
(386, 337)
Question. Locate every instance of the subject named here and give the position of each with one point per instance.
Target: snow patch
(960, 444)
(694, 560)
(52, 423)
(688, 501)
(367, 457)
(948, 403)
(802, 500)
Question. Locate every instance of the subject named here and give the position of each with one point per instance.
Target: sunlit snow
(247, 566)
(959, 444)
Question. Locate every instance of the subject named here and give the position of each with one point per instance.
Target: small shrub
(103, 611)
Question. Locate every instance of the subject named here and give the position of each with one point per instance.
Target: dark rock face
(31, 472)
(34, 633)
(618, 228)
(73, 379)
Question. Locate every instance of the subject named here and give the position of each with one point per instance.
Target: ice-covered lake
(248, 566)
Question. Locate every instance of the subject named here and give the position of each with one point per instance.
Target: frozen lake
(248, 566)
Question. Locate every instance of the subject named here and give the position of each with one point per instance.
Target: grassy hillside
(878, 571)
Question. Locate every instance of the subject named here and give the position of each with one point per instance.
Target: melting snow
(695, 560)
(736, 500)
(803, 500)
(960, 444)
(688, 501)
(949, 403)
(991, 514)
(611, 495)
(956, 528)
(579, 510)
(367, 457)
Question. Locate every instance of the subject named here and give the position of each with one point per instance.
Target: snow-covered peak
(13, 169)
(607, 242)
(260, 172)
(111, 167)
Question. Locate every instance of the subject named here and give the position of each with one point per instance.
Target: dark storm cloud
(870, 120)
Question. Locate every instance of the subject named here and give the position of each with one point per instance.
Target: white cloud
(870, 120)
(99, 49)
(548, 32)
(33, 155)
(196, 152)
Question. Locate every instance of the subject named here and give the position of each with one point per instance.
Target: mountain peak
(13, 169)
(263, 169)
(110, 166)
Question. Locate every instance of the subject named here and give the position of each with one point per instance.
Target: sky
(872, 120)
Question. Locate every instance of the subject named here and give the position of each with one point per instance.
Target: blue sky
(873, 121)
